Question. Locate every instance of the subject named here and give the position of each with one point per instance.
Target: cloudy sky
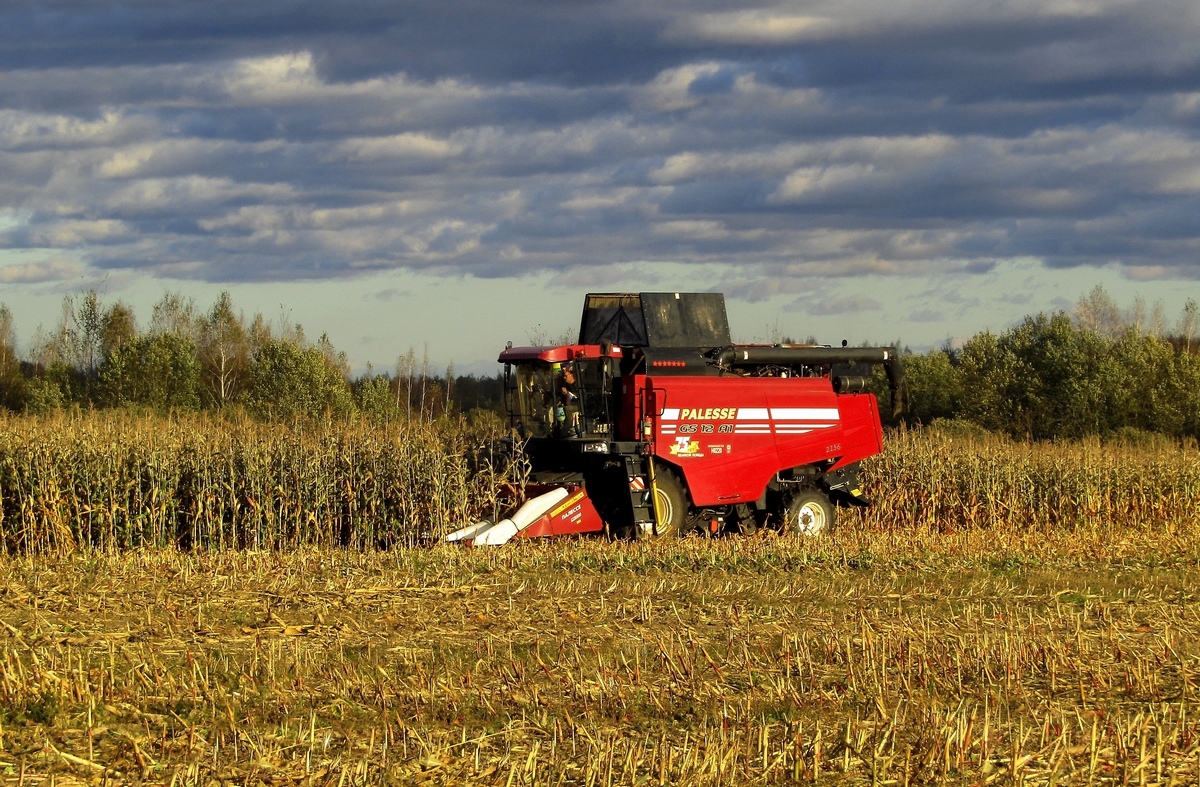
(457, 173)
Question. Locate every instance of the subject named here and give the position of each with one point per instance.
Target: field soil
(881, 657)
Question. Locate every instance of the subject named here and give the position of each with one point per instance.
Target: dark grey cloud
(786, 142)
(489, 42)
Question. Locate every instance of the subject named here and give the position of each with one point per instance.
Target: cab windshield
(560, 400)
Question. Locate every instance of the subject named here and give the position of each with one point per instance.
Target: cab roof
(558, 354)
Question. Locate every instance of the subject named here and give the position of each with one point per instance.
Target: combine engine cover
(729, 440)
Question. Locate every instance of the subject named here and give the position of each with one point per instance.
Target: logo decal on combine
(753, 420)
(570, 501)
(707, 413)
(572, 507)
(685, 447)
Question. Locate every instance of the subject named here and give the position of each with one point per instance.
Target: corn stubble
(879, 658)
(992, 644)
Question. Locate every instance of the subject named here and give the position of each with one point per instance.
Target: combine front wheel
(809, 513)
(670, 505)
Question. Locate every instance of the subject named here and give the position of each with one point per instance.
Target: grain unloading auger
(656, 424)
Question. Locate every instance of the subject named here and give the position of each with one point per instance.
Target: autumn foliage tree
(12, 382)
(289, 381)
(1098, 371)
(156, 372)
(224, 353)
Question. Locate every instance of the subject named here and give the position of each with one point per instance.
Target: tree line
(1096, 370)
(188, 360)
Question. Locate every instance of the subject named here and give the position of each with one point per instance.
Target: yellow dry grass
(875, 657)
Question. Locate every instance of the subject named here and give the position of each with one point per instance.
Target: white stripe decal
(671, 414)
(752, 414)
(805, 414)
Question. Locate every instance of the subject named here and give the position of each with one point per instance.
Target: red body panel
(575, 514)
(632, 393)
(862, 431)
(729, 436)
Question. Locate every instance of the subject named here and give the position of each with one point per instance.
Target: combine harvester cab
(656, 424)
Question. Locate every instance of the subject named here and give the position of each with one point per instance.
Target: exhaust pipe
(898, 386)
(887, 357)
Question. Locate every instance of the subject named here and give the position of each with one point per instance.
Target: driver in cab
(567, 412)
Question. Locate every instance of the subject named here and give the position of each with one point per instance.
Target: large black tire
(671, 504)
(809, 513)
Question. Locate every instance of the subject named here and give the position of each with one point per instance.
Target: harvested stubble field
(1006, 614)
(879, 657)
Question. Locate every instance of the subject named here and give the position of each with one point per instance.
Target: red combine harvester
(655, 424)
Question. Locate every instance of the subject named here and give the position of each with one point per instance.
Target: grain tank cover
(613, 317)
(655, 319)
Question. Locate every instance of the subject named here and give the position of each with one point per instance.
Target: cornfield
(113, 481)
(938, 480)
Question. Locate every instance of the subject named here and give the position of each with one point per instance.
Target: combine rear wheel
(670, 505)
(809, 513)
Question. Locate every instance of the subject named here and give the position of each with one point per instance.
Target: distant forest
(190, 360)
(1098, 370)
